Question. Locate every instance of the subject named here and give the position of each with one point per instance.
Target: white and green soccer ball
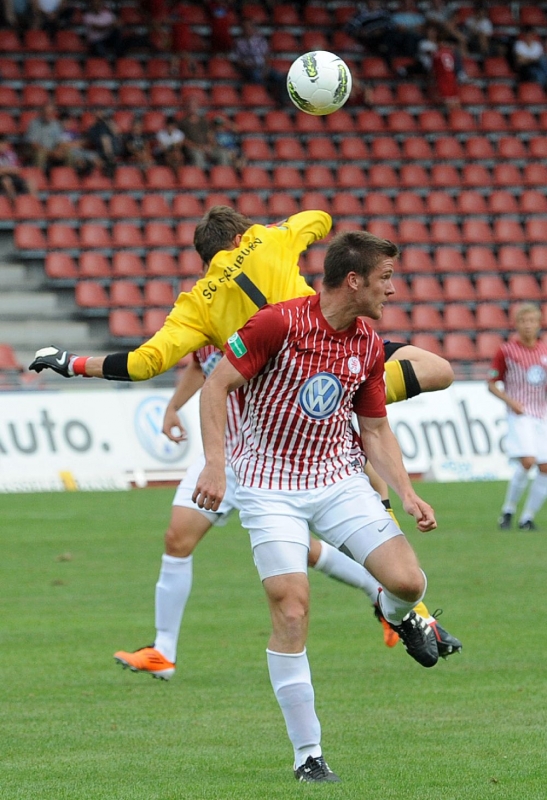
(319, 82)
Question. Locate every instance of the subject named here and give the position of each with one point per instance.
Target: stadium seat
(152, 121)
(412, 231)
(444, 176)
(523, 288)
(413, 176)
(251, 204)
(427, 341)
(249, 122)
(125, 294)
(216, 199)
(159, 293)
(487, 344)
(322, 148)
(184, 234)
(308, 124)
(127, 234)
(507, 231)
(277, 122)
(530, 94)
(9, 97)
(8, 125)
(289, 149)
(414, 259)
(127, 178)
(127, 265)
(458, 289)
(91, 295)
(222, 96)
(34, 96)
(382, 95)
(425, 317)
(218, 69)
(253, 178)
(476, 175)
(94, 265)
(376, 204)
(401, 122)
(68, 97)
(382, 176)
(492, 121)
(506, 175)
(369, 122)
(497, 66)
(532, 15)
(9, 41)
(394, 320)
(481, 259)
(409, 94)
(522, 120)
(152, 321)
(314, 40)
(490, 317)
(500, 94)
(89, 206)
(124, 206)
(132, 96)
(432, 121)
(502, 202)
(375, 68)
(382, 228)
(36, 176)
(444, 231)
(449, 259)
(190, 264)
(10, 70)
(490, 288)
(129, 69)
(471, 95)
(100, 97)
(287, 178)
(68, 42)
(223, 178)
(409, 204)
(426, 288)
(36, 41)
(459, 347)
(161, 264)
(155, 206)
(402, 290)
(257, 149)
(471, 202)
(340, 123)
(160, 178)
(125, 324)
(350, 176)
(281, 206)
(310, 201)
(192, 178)
(95, 69)
(318, 176)
(61, 266)
(479, 148)
(534, 174)
(458, 317)
(476, 231)
(93, 235)
(383, 148)
(187, 205)
(532, 201)
(461, 121)
(159, 234)
(61, 236)
(446, 148)
(511, 147)
(414, 148)
(26, 207)
(513, 259)
(536, 230)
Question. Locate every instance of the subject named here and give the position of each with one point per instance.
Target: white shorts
(185, 490)
(526, 436)
(349, 509)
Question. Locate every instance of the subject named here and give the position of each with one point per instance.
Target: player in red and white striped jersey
(521, 365)
(303, 367)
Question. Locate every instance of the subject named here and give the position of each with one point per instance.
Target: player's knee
(176, 544)
(409, 586)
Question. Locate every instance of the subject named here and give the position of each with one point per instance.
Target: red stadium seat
(458, 289)
(481, 259)
(341, 122)
(417, 149)
(444, 175)
(314, 40)
(277, 122)
(426, 318)
(319, 177)
(9, 41)
(308, 124)
(476, 175)
(487, 345)
(128, 179)
(8, 125)
(523, 288)
(402, 122)
(500, 94)
(502, 202)
(427, 341)
(287, 178)
(532, 15)
(377, 204)
(251, 204)
(375, 69)
(69, 42)
(124, 206)
(222, 96)
(490, 316)
(394, 320)
(132, 97)
(471, 95)
(534, 175)
(161, 264)
(471, 202)
(190, 264)
(129, 69)
(506, 175)
(458, 317)
(289, 149)
(476, 231)
(322, 148)
(444, 232)
(125, 294)
(253, 178)
(492, 121)
(93, 235)
(35, 96)
(64, 179)
(370, 122)
(68, 96)
(346, 205)
(412, 231)
(89, 294)
(459, 347)
(524, 121)
(184, 234)
(36, 41)
(511, 147)
(530, 94)
(432, 121)
(382, 176)
(159, 293)
(152, 122)
(219, 69)
(490, 288)
(478, 148)
(186, 205)
(29, 237)
(127, 265)
(350, 176)
(426, 288)
(449, 259)
(258, 149)
(60, 266)
(409, 204)
(100, 96)
(513, 259)
(95, 69)
(223, 178)
(159, 234)
(415, 259)
(124, 323)
(281, 206)
(497, 66)
(9, 97)
(126, 234)
(94, 265)
(447, 148)
(384, 148)
(413, 176)
(60, 236)
(249, 122)
(508, 231)
(27, 207)
(155, 206)
(382, 228)
(216, 199)
(410, 94)
(192, 178)
(536, 230)
(532, 201)
(311, 201)
(460, 120)
(90, 206)
(152, 321)
(160, 178)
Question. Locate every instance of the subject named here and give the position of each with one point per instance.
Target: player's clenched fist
(60, 361)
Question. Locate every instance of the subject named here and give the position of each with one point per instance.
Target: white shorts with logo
(348, 515)
(185, 490)
(526, 436)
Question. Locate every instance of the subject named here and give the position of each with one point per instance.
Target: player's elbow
(445, 374)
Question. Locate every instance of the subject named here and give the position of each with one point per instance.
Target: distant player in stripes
(521, 366)
(303, 367)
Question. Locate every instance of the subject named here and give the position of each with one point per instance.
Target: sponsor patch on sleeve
(236, 343)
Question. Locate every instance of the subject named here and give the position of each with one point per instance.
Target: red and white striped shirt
(305, 380)
(208, 357)
(523, 371)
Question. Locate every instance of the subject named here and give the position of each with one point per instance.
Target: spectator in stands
(137, 148)
(102, 30)
(529, 58)
(220, 17)
(12, 182)
(18, 14)
(480, 31)
(251, 55)
(409, 24)
(445, 74)
(72, 149)
(198, 134)
(375, 29)
(427, 47)
(227, 143)
(50, 15)
(442, 15)
(105, 139)
(169, 141)
(43, 136)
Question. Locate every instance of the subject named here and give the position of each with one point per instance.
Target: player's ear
(237, 239)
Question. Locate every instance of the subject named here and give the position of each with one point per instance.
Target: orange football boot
(391, 637)
(146, 659)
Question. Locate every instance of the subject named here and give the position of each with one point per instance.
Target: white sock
(291, 681)
(343, 568)
(536, 497)
(172, 591)
(393, 608)
(515, 488)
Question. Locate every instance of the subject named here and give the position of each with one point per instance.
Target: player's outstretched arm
(432, 372)
(67, 364)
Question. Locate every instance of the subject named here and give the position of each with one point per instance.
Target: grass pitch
(77, 583)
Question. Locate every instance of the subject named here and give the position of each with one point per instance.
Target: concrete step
(20, 277)
(38, 305)
(30, 335)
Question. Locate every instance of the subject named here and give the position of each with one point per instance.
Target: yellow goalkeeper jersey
(263, 269)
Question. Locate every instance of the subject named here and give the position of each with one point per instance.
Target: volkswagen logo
(536, 375)
(320, 396)
(148, 425)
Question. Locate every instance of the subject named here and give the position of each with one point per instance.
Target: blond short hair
(527, 308)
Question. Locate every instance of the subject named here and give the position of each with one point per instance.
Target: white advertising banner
(105, 439)
(90, 439)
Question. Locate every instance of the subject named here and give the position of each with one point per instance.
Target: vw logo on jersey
(320, 396)
(148, 424)
(536, 375)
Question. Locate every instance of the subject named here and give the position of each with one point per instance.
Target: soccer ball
(319, 82)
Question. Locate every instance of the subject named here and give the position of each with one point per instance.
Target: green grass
(77, 575)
